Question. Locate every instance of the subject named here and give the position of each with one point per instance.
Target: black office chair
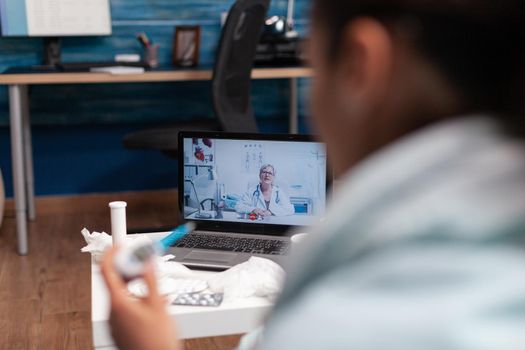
(231, 82)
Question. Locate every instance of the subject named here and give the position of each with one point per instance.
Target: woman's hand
(262, 212)
(138, 324)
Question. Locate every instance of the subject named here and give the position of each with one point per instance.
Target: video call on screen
(268, 182)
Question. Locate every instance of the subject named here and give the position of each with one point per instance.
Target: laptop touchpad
(210, 256)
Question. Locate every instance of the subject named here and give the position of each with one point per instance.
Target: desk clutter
(256, 277)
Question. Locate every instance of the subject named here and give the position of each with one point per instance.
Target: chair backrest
(231, 83)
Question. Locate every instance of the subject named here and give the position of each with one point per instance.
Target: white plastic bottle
(118, 222)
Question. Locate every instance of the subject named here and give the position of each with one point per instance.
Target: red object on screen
(199, 154)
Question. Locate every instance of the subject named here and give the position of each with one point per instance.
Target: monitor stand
(52, 52)
(53, 60)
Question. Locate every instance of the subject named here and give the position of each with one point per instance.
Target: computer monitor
(52, 19)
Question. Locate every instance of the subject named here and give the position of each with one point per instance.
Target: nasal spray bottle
(131, 260)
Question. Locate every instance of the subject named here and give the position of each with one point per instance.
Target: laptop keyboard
(234, 244)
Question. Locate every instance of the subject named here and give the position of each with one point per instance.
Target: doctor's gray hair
(266, 166)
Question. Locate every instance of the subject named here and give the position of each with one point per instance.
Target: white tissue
(255, 277)
(171, 276)
(165, 267)
(97, 243)
(168, 286)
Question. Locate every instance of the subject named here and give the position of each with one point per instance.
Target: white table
(232, 317)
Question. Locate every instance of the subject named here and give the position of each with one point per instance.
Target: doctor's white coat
(279, 203)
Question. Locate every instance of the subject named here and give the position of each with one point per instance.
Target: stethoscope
(257, 193)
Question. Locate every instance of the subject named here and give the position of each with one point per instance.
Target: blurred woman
(421, 106)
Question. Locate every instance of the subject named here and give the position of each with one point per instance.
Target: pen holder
(151, 55)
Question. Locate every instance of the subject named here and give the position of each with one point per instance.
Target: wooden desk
(19, 77)
(21, 146)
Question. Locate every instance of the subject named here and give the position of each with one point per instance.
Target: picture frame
(186, 46)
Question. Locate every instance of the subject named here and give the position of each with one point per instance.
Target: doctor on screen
(266, 199)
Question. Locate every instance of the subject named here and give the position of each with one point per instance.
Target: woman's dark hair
(479, 45)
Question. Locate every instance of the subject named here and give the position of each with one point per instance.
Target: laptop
(245, 192)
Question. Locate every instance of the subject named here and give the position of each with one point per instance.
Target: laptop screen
(259, 180)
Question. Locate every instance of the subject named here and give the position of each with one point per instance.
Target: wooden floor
(45, 297)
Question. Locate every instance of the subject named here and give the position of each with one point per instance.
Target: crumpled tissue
(97, 243)
(168, 272)
(171, 277)
(255, 277)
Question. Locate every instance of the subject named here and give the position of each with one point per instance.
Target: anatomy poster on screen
(252, 157)
(203, 151)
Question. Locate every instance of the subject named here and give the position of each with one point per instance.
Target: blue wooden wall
(150, 103)
(104, 113)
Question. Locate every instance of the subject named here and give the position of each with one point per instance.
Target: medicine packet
(199, 299)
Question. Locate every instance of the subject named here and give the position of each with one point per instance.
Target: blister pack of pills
(199, 299)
